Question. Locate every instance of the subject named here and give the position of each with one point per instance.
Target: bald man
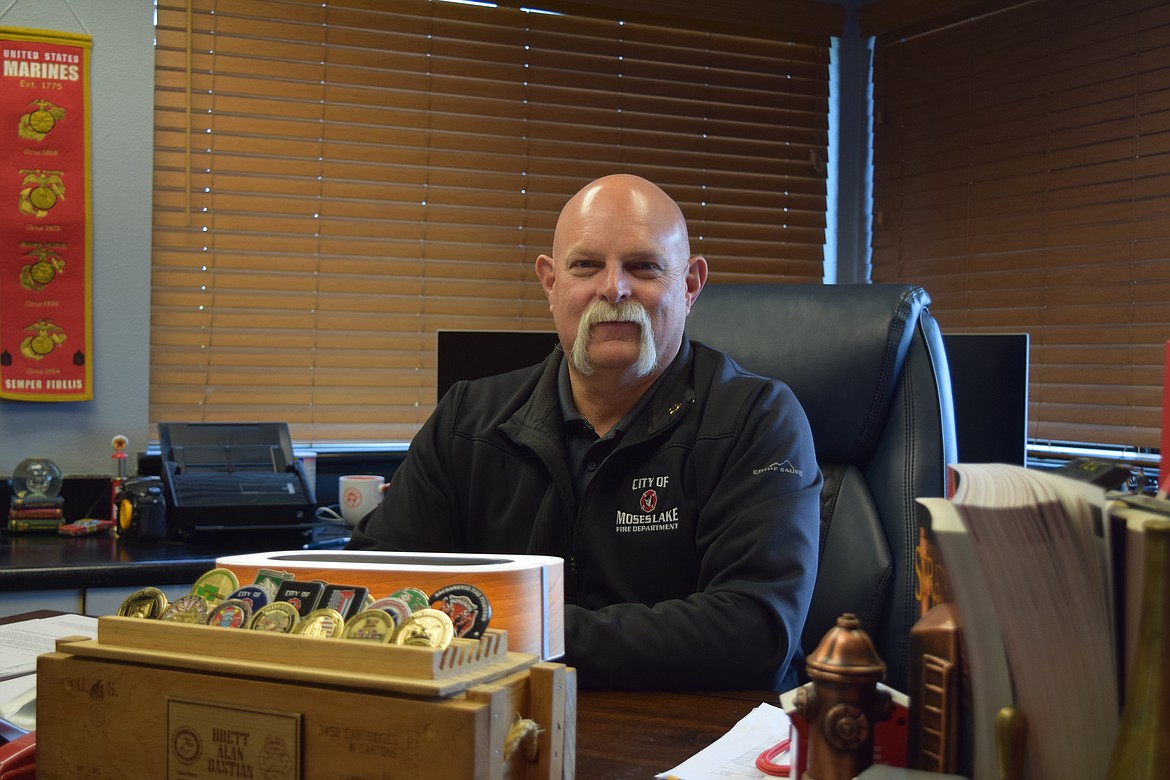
(645, 460)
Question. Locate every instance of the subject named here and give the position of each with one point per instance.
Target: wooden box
(526, 592)
(151, 699)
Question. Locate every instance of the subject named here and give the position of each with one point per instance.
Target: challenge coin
(426, 628)
(398, 608)
(279, 617)
(186, 609)
(230, 613)
(415, 597)
(372, 625)
(305, 596)
(255, 595)
(467, 607)
(271, 579)
(147, 603)
(322, 624)
(216, 585)
(346, 599)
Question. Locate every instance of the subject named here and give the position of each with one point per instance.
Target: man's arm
(399, 522)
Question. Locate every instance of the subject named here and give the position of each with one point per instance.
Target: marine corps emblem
(40, 273)
(46, 336)
(42, 190)
(37, 124)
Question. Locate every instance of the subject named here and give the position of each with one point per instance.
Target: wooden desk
(634, 735)
(637, 734)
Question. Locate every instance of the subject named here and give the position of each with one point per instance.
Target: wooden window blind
(1022, 175)
(335, 181)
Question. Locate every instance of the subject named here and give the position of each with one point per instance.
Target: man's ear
(546, 273)
(696, 278)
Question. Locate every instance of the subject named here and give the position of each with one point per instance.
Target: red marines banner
(46, 343)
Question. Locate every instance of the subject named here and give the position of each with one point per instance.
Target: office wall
(77, 435)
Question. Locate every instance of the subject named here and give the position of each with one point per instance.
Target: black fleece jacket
(689, 560)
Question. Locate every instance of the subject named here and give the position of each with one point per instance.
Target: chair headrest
(841, 348)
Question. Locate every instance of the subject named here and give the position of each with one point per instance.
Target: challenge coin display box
(156, 699)
(526, 592)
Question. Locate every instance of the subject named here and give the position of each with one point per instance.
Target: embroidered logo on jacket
(785, 467)
(648, 517)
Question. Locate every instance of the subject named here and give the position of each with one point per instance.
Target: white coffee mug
(357, 494)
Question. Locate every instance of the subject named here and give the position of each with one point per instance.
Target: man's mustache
(599, 312)
(626, 311)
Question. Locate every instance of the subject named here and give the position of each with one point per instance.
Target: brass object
(216, 585)
(1142, 748)
(148, 603)
(322, 623)
(371, 625)
(843, 702)
(1011, 734)
(426, 628)
(187, 609)
(279, 617)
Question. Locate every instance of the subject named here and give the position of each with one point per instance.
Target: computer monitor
(989, 384)
(471, 354)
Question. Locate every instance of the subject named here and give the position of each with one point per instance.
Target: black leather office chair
(867, 362)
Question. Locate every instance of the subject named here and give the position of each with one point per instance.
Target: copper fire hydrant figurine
(843, 702)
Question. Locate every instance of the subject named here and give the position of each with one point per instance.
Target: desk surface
(635, 735)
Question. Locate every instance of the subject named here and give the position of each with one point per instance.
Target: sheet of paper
(733, 756)
(21, 643)
(15, 692)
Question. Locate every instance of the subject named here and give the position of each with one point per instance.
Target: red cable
(766, 761)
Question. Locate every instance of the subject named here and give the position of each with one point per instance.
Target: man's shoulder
(721, 384)
(718, 367)
(735, 409)
(507, 381)
(488, 401)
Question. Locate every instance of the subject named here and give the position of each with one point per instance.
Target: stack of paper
(20, 644)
